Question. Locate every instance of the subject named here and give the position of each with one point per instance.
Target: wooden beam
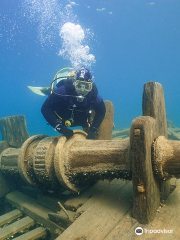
(10, 216)
(146, 195)
(34, 210)
(16, 227)
(34, 234)
(153, 105)
(102, 212)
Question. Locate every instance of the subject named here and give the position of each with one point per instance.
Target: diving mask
(83, 87)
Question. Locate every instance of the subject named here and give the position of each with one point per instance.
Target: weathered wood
(6, 184)
(74, 202)
(173, 133)
(9, 160)
(43, 162)
(3, 145)
(106, 127)
(154, 105)
(14, 130)
(167, 218)
(49, 202)
(146, 195)
(15, 227)
(99, 155)
(30, 191)
(101, 213)
(125, 229)
(78, 161)
(10, 216)
(36, 233)
(62, 219)
(25, 160)
(34, 210)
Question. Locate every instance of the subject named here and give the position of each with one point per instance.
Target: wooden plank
(76, 201)
(167, 217)
(6, 185)
(34, 234)
(10, 216)
(101, 213)
(34, 210)
(62, 219)
(16, 227)
(49, 202)
(125, 229)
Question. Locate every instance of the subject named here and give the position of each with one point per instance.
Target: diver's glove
(68, 133)
(92, 134)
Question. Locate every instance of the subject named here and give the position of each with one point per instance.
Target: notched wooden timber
(14, 130)
(153, 105)
(146, 194)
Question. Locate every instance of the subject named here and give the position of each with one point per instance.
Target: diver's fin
(43, 91)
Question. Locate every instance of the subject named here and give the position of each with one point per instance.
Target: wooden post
(14, 133)
(154, 105)
(146, 195)
(106, 128)
(144, 131)
(107, 125)
(3, 145)
(14, 130)
(6, 185)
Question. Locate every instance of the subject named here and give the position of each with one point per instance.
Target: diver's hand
(68, 133)
(92, 134)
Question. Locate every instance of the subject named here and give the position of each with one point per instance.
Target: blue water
(133, 41)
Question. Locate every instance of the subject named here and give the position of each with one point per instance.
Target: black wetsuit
(62, 105)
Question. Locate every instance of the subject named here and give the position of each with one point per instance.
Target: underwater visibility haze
(124, 43)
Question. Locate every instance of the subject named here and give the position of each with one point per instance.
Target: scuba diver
(72, 102)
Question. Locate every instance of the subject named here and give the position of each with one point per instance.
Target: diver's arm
(56, 100)
(47, 110)
(50, 116)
